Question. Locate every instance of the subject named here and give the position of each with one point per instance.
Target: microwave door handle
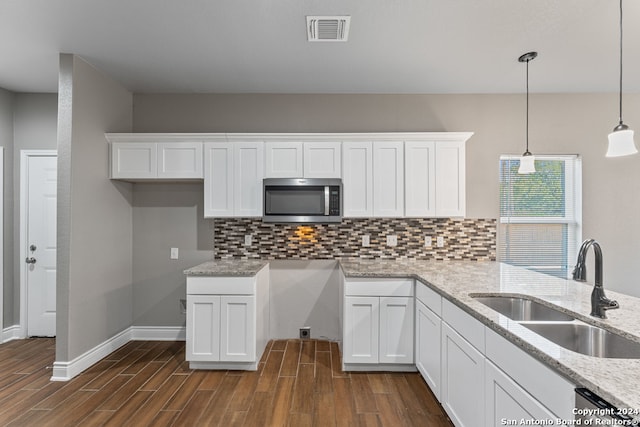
(326, 200)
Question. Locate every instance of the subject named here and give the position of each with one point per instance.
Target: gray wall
(166, 216)
(559, 123)
(94, 277)
(6, 140)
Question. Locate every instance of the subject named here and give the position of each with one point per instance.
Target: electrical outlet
(427, 241)
(366, 240)
(392, 240)
(248, 240)
(174, 253)
(305, 333)
(440, 241)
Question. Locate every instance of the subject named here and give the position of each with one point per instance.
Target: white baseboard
(10, 333)
(158, 333)
(64, 371)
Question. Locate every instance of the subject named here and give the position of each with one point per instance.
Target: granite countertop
(616, 380)
(228, 267)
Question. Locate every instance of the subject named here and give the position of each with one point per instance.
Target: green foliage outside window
(540, 194)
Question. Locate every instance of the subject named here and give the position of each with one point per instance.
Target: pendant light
(621, 139)
(527, 161)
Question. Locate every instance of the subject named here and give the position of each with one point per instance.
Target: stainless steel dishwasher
(591, 409)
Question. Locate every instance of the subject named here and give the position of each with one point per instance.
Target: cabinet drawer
(429, 297)
(544, 384)
(466, 325)
(379, 287)
(205, 285)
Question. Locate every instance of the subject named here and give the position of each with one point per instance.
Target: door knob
(30, 260)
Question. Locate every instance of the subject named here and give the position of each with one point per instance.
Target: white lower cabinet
(378, 325)
(428, 345)
(506, 400)
(227, 331)
(221, 328)
(462, 393)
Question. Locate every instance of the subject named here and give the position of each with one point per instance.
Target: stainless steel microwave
(305, 200)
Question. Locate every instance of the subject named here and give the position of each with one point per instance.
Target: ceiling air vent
(328, 28)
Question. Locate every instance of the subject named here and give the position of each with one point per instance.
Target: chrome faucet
(599, 302)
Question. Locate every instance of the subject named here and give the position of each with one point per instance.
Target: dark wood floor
(299, 383)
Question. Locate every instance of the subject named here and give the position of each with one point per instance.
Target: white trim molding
(64, 371)
(158, 333)
(11, 333)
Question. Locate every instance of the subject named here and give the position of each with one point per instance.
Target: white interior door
(40, 244)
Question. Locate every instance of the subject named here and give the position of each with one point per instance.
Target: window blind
(540, 214)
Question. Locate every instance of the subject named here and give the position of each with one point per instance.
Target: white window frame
(573, 205)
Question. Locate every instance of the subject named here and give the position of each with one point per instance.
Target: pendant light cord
(527, 121)
(620, 97)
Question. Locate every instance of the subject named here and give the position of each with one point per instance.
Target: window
(541, 214)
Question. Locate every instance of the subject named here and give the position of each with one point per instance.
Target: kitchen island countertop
(228, 267)
(616, 380)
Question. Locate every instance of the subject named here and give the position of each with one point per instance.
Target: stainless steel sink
(587, 339)
(523, 309)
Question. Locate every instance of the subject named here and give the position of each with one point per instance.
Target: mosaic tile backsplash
(464, 239)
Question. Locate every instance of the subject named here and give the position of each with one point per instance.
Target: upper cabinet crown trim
(356, 136)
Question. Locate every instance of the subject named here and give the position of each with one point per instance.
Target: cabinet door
(396, 330)
(283, 160)
(218, 179)
(248, 174)
(361, 329)
(428, 341)
(180, 160)
(462, 393)
(322, 160)
(357, 178)
(388, 179)
(450, 178)
(420, 179)
(238, 328)
(203, 328)
(506, 400)
(134, 160)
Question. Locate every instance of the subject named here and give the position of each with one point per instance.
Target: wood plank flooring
(299, 383)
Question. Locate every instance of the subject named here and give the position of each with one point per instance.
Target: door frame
(24, 173)
(1, 244)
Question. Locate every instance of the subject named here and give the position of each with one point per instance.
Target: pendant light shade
(527, 161)
(621, 139)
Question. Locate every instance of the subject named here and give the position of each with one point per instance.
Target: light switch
(247, 239)
(392, 240)
(427, 241)
(366, 240)
(174, 253)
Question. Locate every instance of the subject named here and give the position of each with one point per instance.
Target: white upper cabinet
(161, 160)
(218, 179)
(233, 179)
(283, 160)
(179, 160)
(322, 159)
(435, 178)
(388, 179)
(309, 159)
(248, 161)
(450, 178)
(357, 178)
(420, 178)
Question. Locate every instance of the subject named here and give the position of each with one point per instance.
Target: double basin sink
(562, 328)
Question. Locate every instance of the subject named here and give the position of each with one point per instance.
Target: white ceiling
(259, 46)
